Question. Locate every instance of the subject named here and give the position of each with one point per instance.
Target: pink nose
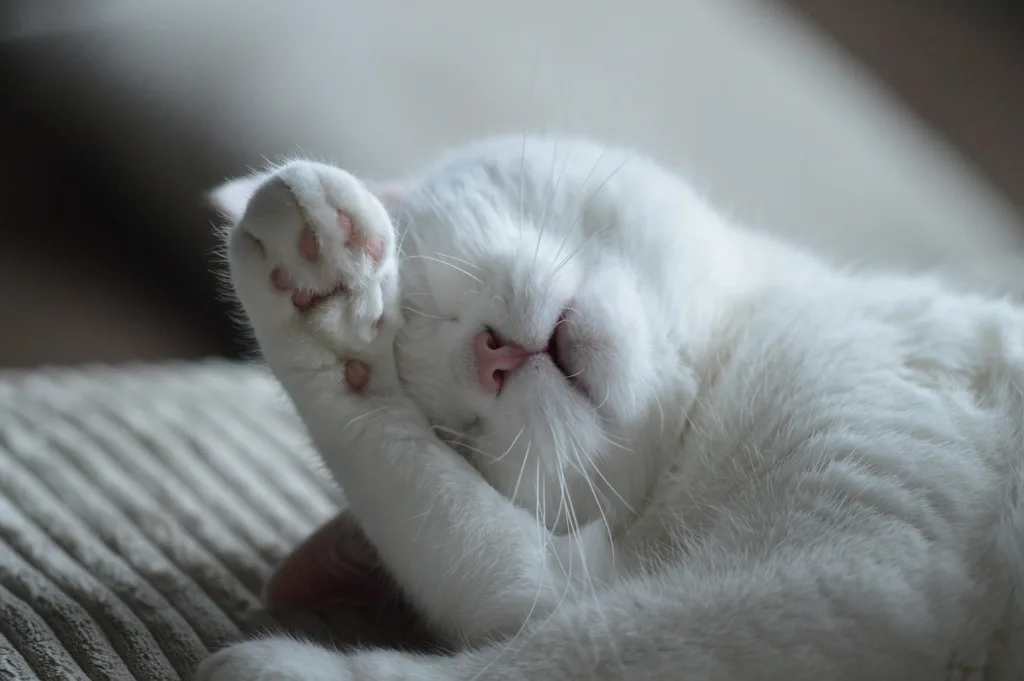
(495, 358)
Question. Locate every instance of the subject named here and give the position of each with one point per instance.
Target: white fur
(783, 470)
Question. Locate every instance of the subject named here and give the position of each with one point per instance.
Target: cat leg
(829, 616)
(313, 260)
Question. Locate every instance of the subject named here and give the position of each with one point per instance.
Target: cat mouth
(559, 349)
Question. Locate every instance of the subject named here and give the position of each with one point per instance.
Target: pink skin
(308, 246)
(345, 225)
(495, 359)
(356, 239)
(356, 373)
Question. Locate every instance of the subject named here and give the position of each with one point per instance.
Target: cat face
(551, 290)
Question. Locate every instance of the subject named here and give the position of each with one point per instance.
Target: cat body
(594, 430)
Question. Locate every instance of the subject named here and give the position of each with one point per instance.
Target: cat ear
(334, 565)
(231, 198)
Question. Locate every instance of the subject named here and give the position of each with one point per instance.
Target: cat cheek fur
(795, 472)
(474, 261)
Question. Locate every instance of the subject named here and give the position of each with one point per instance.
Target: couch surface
(141, 508)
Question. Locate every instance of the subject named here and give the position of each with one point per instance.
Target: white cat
(596, 431)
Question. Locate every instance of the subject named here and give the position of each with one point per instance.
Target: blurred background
(886, 131)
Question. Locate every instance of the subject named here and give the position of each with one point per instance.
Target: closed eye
(421, 313)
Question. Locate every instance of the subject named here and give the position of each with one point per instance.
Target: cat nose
(495, 358)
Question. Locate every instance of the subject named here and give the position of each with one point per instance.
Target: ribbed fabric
(141, 508)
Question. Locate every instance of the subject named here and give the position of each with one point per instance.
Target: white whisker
(363, 416)
(443, 262)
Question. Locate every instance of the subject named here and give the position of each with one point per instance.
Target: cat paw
(285, 659)
(313, 261)
(274, 659)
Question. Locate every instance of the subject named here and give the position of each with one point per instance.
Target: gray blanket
(141, 508)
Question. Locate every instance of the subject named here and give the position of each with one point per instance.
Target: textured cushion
(141, 508)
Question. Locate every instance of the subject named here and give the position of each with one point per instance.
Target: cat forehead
(498, 177)
(504, 162)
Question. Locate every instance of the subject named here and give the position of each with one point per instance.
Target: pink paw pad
(346, 225)
(281, 280)
(301, 298)
(373, 246)
(357, 374)
(308, 245)
(356, 240)
(304, 299)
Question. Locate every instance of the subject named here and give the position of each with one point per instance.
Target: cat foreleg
(417, 500)
(313, 260)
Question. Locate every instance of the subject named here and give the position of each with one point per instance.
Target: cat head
(561, 301)
(559, 297)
